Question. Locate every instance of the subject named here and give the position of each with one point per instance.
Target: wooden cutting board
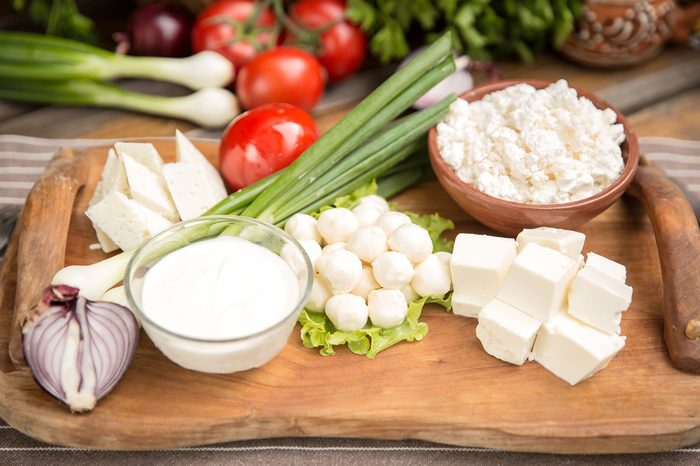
(444, 388)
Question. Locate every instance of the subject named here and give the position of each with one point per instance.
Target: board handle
(42, 243)
(678, 242)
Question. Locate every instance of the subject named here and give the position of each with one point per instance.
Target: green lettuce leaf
(317, 331)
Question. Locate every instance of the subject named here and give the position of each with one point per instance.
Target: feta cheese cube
(572, 350)
(185, 151)
(189, 187)
(598, 299)
(538, 281)
(149, 189)
(567, 242)
(143, 153)
(113, 179)
(479, 263)
(505, 332)
(124, 220)
(467, 305)
(607, 266)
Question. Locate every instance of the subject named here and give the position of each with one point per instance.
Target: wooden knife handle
(42, 244)
(678, 242)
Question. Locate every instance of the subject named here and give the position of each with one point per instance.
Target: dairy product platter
(445, 388)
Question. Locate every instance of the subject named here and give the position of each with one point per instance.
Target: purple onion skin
(104, 338)
(159, 30)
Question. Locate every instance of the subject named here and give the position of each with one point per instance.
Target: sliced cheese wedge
(143, 153)
(189, 187)
(187, 152)
(125, 221)
(149, 189)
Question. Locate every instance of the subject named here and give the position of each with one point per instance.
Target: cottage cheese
(545, 146)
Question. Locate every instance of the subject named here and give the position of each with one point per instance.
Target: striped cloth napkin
(22, 160)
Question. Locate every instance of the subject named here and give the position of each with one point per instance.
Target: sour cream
(221, 288)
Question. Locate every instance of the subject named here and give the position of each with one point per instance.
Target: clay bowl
(512, 217)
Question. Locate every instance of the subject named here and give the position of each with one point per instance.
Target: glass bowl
(219, 355)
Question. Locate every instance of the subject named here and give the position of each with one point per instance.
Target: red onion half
(78, 349)
(159, 30)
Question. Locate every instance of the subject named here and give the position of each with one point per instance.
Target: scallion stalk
(357, 125)
(390, 185)
(239, 200)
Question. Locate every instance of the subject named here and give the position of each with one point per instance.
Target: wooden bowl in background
(512, 217)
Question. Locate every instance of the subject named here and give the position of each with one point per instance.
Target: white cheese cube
(149, 189)
(467, 305)
(106, 244)
(538, 281)
(607, 266)
(125, 221)
(185, 151)
(479, 263)
(572, 350)
(598, 299)
(567, 242)
(144, 153)
(113, 179)
(505, 332)
(189, 188)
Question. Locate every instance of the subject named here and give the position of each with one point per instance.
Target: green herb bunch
(484, 29)
(59, 17)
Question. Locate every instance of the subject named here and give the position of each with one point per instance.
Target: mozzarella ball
(390, 221)
(329, 248)
(341, 270)
(392, 270)
(368, 242)
(367, 283)
(319, 295)
(336, 224)
(446, 257)
(303, 227)
(313, 250)
(367, 214)
(409, 293)
(432, 277)
(347, 312)
(377, 201)
(387, 308)
(412, 241)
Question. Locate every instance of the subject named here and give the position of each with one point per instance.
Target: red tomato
(263, 141)
(343, 45)
(284, 74)
(223, 27)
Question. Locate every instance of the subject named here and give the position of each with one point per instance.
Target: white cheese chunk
(125, 221)
(189, 188)
(607, 266)
(598, 299)
(505, 332)
(567, 242)
(572, 350)
(467, 305)
(479, 263)
(149, 189)
(113, 179)
(185, 151)
(106, 244)
(538, 280)
(144, 153)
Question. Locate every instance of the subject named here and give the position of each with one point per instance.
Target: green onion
(240, 199)
(390, 185)
(32, 56)
(359, 124)
(211, 107)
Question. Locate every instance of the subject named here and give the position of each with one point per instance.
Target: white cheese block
(505, 332)
(113, 179)
(598, 299)
(479, 263)
(567, 242)
(189, 188)
(538, 280)
(149, 189)
(124, 220)
(143, 153)
(467, 305)
(607, 266)
(572, 350)
(186, 152)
